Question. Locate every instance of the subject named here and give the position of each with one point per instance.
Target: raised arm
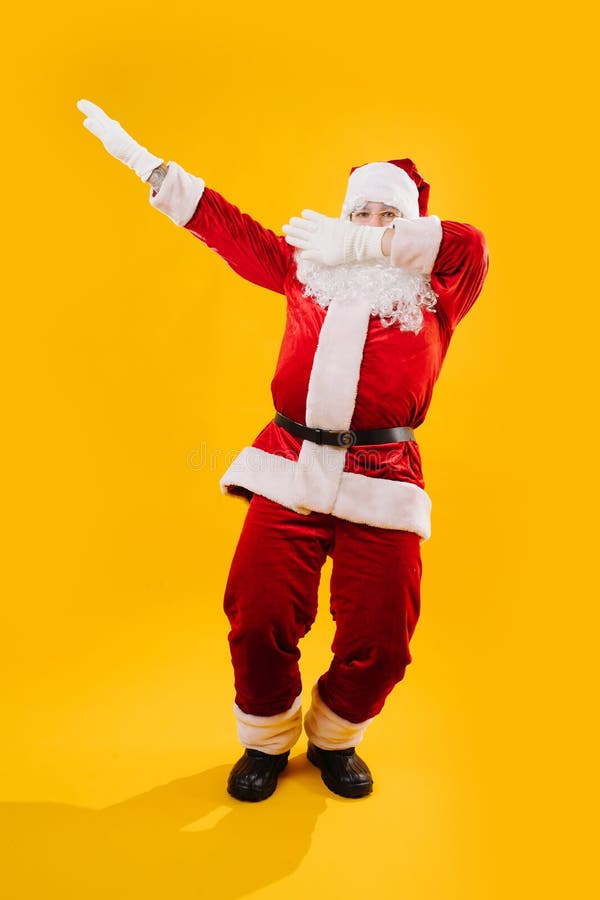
(254, 252)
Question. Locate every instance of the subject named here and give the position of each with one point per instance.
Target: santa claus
(373, 298)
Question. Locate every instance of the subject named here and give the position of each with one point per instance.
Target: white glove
(116, 140)
(333, 241)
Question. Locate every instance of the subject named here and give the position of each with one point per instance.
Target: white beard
(398, 297)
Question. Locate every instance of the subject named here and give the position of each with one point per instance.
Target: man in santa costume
(373, 298)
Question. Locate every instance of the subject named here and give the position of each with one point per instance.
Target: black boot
(254, 776)
(343, 771)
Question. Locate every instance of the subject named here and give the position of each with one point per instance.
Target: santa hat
(396, 183)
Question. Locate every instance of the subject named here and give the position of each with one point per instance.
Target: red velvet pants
(271, 602)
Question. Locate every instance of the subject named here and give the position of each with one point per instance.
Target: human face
(375, 214)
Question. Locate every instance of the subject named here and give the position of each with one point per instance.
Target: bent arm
(454, 255)
(460, 270)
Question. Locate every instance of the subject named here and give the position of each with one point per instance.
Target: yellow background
(135, 364)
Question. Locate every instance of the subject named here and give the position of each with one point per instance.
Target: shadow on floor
(186, 839)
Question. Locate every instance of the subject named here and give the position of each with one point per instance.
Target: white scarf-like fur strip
(331, 399)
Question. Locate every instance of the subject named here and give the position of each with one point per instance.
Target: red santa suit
(340, 368)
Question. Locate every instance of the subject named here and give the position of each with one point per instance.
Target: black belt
(345, 438)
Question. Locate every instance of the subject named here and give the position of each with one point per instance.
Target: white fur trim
(330, 401)
(387, 504)
(266, 474)
(317, 476)
(382, 182)
(179, 194)
(336, 366)
(416, 243)
(328, 730)
(381, 502)
(271, 734)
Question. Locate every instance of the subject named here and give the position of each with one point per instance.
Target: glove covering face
(333, 242)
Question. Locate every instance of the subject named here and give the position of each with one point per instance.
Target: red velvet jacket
(397, 373)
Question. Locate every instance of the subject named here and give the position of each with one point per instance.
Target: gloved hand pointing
(117, 142)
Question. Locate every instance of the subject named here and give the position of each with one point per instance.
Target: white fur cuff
(416, 243)
(271, 734)
(329, 731)
(178, 195)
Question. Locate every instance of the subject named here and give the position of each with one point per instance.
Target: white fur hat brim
(381, 182)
